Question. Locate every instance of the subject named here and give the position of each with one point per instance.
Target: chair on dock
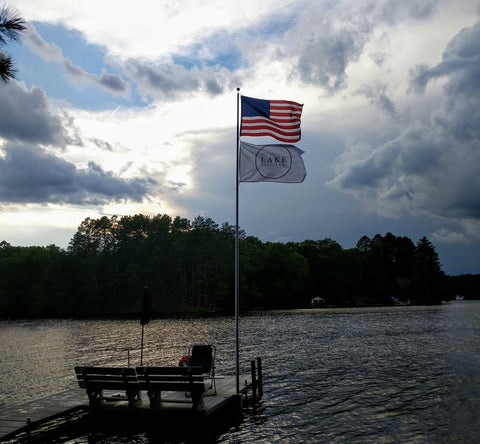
(203, 355)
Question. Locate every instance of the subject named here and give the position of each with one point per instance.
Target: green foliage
(12, 28)
(189, 267)
(33, 281)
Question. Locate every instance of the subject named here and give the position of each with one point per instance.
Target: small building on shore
(317, 302)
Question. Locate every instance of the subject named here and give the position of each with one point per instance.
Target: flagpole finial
(238, 89)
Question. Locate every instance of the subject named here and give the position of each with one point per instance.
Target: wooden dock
(23, 419)
(14, 420)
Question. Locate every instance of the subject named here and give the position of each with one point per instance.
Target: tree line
(189, 268)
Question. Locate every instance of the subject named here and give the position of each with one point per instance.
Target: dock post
(254, 380)
(260, 377)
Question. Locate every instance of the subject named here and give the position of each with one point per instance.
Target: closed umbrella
(145, 315)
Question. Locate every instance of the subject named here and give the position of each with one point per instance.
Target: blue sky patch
(52, 78)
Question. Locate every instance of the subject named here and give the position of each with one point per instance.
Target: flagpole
(237, 258)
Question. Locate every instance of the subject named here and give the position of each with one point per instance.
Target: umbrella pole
(141, 349)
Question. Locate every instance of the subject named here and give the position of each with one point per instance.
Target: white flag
(271, 163)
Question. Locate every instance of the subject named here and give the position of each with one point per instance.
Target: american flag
(276, 118)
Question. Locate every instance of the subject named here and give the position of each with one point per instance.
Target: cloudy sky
(124, 107)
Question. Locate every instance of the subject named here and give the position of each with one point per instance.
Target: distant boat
(459, 298)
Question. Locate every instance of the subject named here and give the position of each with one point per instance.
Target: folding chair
(204, 356)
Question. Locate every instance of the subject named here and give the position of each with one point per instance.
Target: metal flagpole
(237, 258)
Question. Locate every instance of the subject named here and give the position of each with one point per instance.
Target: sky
(123, 108)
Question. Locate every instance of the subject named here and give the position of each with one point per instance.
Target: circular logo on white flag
(273, 162)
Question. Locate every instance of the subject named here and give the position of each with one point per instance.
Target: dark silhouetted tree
(429, 278)
(12, 28)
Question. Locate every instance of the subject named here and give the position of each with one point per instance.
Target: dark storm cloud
(170, 81)
(112, 83)
(334, 39)
(460, 63)
(31, 175)
(25, 116)
(434, 164)
(378, 96)
(460, 66)
(165, 78)
(323, 61)
(391, 11)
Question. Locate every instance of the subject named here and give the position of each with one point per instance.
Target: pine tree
(12, 28)
(428, 274)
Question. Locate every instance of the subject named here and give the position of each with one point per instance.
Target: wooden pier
(20, 421)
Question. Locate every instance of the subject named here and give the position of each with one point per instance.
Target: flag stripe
(276, 118)
(281, 132)
(282, 124)
(275, 135)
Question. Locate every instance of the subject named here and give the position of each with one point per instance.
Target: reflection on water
(400, 374)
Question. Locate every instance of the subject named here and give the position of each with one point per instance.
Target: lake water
(366, 375)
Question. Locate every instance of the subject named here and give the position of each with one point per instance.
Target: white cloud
(150, 29)
(449, 237)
